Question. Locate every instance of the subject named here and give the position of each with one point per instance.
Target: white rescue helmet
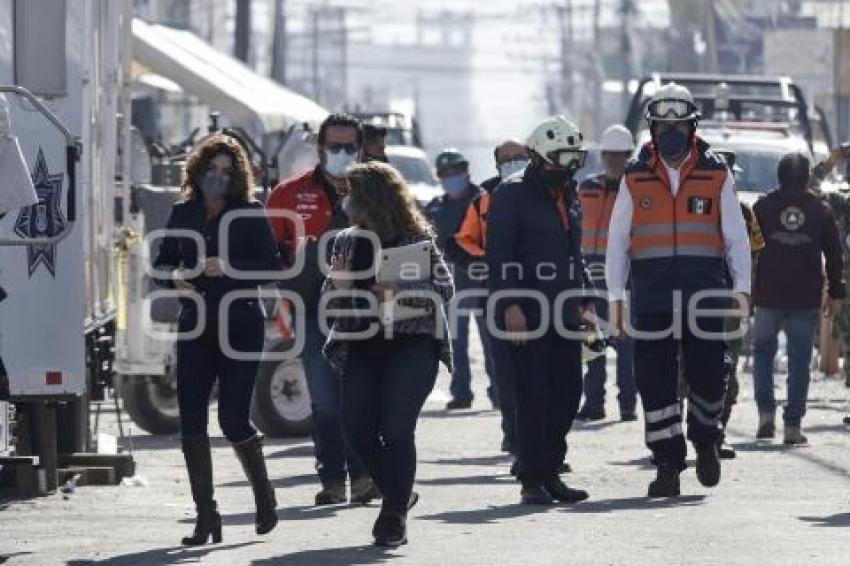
(559, 142)
(672, 103)
(617, 138)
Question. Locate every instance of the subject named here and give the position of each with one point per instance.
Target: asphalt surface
(774, 505)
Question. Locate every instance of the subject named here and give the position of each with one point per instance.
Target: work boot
(333, 493)
(708, 464)
(508, 446)
(196, 452)
(560, 492)
(628, 415)
(767, 426)
(727, 452)
(794, 436)
(250, 454)
(666, 482)
(364, 490)
(535, 494)
(565, 468)
(589, 414)
(390, 530)
(458, 404)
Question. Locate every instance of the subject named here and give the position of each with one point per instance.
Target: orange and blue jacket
(676, 242)
(597, 194)
(472, 236)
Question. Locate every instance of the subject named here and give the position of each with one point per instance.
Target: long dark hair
(379, 191)
(241, 188)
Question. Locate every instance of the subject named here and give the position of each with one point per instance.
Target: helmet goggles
(567, 158)
(671, 110)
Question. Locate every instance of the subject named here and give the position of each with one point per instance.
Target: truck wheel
(281, 405)
(152, 404)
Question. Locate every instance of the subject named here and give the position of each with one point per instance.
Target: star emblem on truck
(43, 219)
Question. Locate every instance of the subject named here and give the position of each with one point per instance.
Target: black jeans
(548, 391)
(200, 362)
(383, 391)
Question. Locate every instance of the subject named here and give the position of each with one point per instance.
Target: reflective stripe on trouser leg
(663, 423)
(702, 411)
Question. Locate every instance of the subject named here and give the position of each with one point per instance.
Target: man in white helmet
(675, 219)
(597, 194)
(534, 246)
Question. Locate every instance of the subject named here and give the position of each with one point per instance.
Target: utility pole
(314, 46)
(242, 44)
(280, 50)
(627, 12)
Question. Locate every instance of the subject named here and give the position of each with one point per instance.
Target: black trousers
(201, 362)
(548, 391)
(657, 365)
(505, 370)
(383, 391)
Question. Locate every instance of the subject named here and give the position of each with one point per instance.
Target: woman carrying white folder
(388, 374)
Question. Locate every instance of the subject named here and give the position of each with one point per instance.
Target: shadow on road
(443, 414)
(634, 504)
(172, 442)
(288, 481)
(643, 463)
(486, 479)
(758, 446)
(351, 555)
(490, 515)
(5, 557)
(838, 520)
(171, 555)
(593, 426)
(472, 461)
(300, 451)
(297, 513)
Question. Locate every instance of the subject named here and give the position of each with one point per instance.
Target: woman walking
(218, 191)
(386, 378)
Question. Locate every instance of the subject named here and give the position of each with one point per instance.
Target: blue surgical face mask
(672, 143)
(510, 168)
(214, 186)
(455, 185)
(338, 162)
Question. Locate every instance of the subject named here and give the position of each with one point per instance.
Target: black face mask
(556, 178)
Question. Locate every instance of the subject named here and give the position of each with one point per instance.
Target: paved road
(774, 505)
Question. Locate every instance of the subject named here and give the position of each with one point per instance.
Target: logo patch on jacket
(792, 218)
(645, 203)
(699, 205)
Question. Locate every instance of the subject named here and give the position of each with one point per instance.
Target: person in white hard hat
(534, 248)
(675, 220)
(597, 194)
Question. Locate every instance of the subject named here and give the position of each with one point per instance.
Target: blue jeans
(594, 379)
(799, 327)
(333, 456)
(461, 384)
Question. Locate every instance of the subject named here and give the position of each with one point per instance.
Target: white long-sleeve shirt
(734, 228)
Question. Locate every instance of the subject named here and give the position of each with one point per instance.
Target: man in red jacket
(799, 232)
(316, 197)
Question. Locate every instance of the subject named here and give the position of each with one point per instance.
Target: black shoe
(535, 494)
(364, 490)
(560, 492)
(628, 416)
(565, 469)
(390, 530)
(414, 499)
(666, 482)
(515, 469)
(333, 493)
(727, 452)
(708, 464)
(589, 414)
(250, 454)
(458, 404)
(508, 446)
(196, 452)
(847, 420)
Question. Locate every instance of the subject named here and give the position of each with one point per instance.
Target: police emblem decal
(792, 218)
(43, 219)
(645, 203)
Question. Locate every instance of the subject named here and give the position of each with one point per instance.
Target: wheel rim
(163, 396)
(289, 394)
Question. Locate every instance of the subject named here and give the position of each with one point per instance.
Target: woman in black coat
(220, 324)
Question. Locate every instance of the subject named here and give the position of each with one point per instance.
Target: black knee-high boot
(250, 454)
(196, 451)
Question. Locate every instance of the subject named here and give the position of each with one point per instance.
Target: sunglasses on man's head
(349, 148)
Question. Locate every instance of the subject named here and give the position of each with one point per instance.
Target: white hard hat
(672, 103)
(558, 141)
(617, 138)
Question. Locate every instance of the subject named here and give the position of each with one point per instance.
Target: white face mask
(337, 163)
(509, 168)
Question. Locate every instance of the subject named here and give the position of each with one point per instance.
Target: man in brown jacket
(799, 231)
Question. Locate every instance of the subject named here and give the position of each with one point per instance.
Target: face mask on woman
(510, 168)
(455, 185)
(338, 162)
(214, 186)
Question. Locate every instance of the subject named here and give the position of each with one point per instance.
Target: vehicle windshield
(759, 170)
(413, 169)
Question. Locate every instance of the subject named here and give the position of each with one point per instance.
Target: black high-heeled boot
(250, 454)
(196, 451)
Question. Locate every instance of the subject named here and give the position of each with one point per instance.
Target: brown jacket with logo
(799, 232)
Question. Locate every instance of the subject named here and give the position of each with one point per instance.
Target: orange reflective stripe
(597, 204)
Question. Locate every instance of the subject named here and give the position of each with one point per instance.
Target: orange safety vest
(676, 242)
(597, 203)
(472, 235)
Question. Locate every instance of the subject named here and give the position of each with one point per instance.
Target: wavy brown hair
(241, 186)
(379, 192)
